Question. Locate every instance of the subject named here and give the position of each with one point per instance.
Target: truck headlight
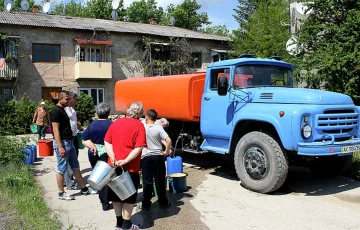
(306, 131)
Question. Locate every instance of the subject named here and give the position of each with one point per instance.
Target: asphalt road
(216, 200)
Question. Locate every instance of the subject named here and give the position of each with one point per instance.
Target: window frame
(225, 70)
(199, 56)
(47, 44)
(97, 93)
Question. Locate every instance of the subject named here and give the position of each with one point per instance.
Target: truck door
(216, 111)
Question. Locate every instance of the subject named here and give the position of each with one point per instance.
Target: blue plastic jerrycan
(174, 164)
(34, 152)
(28, 155)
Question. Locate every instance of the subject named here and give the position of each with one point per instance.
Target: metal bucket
(123, 186)
(101, 175)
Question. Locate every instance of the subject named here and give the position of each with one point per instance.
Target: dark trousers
(154, 167)
(76, 145)
(41, 131)
(93, 160)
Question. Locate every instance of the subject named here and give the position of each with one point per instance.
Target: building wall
(125, 60)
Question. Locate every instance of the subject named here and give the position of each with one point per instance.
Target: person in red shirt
(124, 142)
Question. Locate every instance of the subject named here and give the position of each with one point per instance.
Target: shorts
(110, 195)
(70, 156)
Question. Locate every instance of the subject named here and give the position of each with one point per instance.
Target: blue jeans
(70, 156)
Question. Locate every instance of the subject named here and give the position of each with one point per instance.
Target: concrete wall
(125, 60)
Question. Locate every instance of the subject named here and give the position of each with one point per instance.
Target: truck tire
(260, 162)
(330, 165)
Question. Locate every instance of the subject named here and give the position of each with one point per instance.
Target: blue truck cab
(252, 108)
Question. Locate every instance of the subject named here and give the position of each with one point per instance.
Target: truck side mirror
(222, 86)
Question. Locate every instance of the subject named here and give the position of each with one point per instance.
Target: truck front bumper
(329, 148)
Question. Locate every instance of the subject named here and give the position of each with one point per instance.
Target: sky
(219, 11)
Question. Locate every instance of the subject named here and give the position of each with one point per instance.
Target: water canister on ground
(28, 155)
(46, 148)
(34, 152)
(174, 164)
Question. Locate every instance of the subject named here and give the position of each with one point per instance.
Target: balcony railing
(93, 70)
(10, 70)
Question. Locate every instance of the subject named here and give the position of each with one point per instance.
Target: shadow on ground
(302, 181)
(146, 219)
(299, 181)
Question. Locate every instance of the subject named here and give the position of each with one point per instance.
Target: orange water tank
(175, 97)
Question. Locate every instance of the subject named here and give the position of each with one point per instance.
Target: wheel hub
(256, 163)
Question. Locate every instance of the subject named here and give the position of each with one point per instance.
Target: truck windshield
(262, 75)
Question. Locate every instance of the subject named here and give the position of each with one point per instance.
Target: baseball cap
(42, 103)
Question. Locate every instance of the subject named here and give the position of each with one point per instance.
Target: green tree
(16, 116)
(144, 10)
(244, 10)
(100, 9)
(263, 35)
(331, 41)
(71, 9)
(218, 30)
(85, 109)
(186, 15)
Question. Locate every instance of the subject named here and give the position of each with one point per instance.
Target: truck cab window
(215, 74)
(262, 75)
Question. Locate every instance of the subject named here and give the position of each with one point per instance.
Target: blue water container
(174, 165)
(34, 152)
(28, 155)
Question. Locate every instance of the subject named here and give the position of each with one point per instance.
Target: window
(82, 54)
(216, 73)
(219, 57)
(197, 60)
(95, 55)
(8, 49)
(96, 93)
(46, 53)
(5, 94)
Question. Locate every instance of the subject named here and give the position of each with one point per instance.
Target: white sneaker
(66, 196)
(133, 227)
(89, 191)
(93, 191)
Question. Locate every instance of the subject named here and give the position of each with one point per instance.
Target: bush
(16, 116)
(11, 150)
(85, 108)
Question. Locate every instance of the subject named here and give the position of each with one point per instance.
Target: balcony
(93, 59)
(93, 70)
(10, 70)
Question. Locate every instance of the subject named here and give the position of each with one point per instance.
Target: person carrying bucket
(152, 161)
(93, 139)
(124, 142)
(41, 118)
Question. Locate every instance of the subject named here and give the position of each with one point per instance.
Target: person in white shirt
(69, 178)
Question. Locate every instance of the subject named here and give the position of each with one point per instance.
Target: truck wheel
(330, 165)
(260, 162)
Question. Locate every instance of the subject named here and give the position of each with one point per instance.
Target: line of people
(127, 142)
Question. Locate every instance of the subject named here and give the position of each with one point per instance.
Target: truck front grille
(337, 121)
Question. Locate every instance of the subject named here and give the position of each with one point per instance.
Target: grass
(354, 170)
(21, 200)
